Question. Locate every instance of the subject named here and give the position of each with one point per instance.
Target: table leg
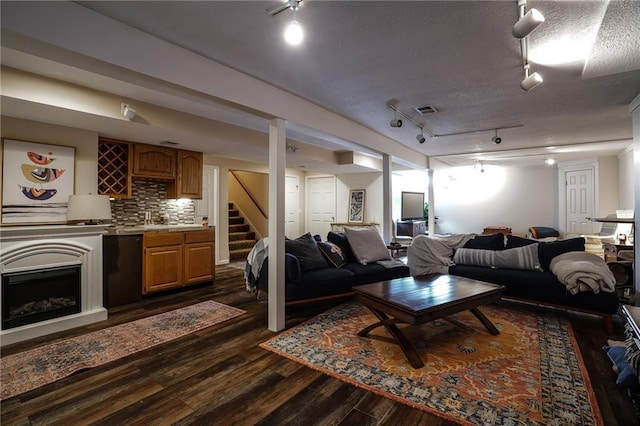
(404, 343)
(485, 321)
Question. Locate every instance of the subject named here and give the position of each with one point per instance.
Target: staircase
(241, 239)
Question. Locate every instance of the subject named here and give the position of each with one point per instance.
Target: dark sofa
(540, 286)
(331, 281)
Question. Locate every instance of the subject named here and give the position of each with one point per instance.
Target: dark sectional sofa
(540, 286)
(327, 282)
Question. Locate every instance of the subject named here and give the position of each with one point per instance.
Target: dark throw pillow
(341, 241)
(333, 253)
(626, 375)
(486, 242)
(515, 242)
(305, 248)
(547, 251)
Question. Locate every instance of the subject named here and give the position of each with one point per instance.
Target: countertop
(141, 229)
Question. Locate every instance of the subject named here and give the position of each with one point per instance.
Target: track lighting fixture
(496, 139)
(293, 34)
(527, 22)
(530, 81)
(396, 122)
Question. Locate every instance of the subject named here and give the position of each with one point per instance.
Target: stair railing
(251, 197)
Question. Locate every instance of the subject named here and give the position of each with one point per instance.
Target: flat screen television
(412, 206)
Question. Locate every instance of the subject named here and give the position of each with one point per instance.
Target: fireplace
(51, 279)
(33, 296)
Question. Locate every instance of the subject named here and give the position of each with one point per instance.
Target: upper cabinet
(120, 161)
(114, 168)
(155, 162)
(188, 183)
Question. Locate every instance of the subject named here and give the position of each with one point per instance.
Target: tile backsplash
(151, 195)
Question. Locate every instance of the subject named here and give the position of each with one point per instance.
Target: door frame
(297, 207)
(572, 166)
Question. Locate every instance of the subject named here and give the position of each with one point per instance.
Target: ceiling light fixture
(530, 81)
(292, 149)
(396, 122)
(527, 22)
(293, 34)
(496, 139)
(127, 111)
(550, 161)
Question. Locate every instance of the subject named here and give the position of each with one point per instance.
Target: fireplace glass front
(34, 296)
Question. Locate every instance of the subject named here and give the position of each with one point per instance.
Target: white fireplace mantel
(24, 248)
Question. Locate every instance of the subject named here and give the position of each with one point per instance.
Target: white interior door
(291, 207)
(321, 204)
(580, 201)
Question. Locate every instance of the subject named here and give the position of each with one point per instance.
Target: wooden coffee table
(417, 300)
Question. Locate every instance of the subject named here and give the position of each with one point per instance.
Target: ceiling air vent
(427, 109)
(169, 143)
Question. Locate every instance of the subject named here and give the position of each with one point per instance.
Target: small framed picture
(356, 206)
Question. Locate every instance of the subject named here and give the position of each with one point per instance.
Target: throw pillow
(547, 251)
(333, 254)
(305, 248)
(341, 241)
(626, 375)
(367, 244)
(486, 242)
(514, 242)
(517, 258)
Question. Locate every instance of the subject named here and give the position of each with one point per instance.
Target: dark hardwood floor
(220, 376)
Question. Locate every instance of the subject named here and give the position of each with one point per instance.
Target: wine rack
(114, 168)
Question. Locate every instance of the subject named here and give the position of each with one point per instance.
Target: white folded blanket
(434, 255)
(580, 271)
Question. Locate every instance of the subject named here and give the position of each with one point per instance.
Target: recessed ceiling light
(550, 161)
(294, 33)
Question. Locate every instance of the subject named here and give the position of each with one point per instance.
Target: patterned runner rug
(36, 367)
(532, 373)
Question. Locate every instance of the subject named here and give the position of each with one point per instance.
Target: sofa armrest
(292, 271)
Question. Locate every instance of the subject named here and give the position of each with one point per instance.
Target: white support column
(386, 198)
(277, 163)
(431, 220)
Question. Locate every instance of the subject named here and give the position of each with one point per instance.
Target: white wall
(371, 183)
(608, 188)
(626, 178)
(467, 201)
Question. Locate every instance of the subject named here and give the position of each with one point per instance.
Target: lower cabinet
(176, 259)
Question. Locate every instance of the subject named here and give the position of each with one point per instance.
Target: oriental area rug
(531, 373)
(37, 367)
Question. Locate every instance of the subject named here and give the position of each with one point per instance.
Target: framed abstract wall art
(37, 180)
(356, 206)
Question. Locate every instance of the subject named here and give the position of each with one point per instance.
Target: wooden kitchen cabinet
(163, 261)
(188, 183)
(199, 257)
(176, 259)
(154, 162)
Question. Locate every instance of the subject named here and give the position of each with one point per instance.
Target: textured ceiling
(458, 56)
